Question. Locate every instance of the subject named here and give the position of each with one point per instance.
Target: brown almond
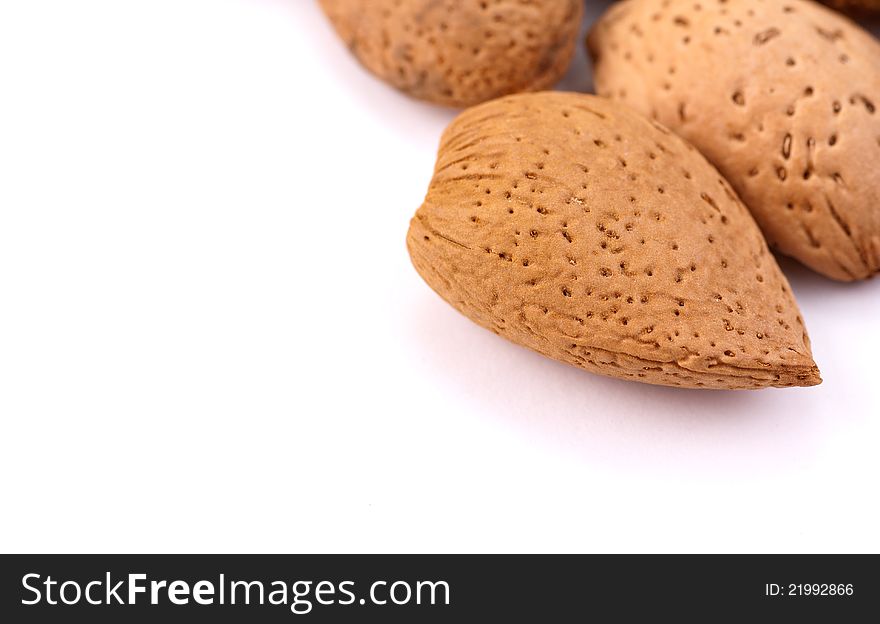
(460, 52)
(780, 95)
(571, 225)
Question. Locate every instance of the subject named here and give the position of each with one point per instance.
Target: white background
(211, 337)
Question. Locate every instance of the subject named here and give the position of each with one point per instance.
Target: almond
(571, 225)
(780, 95)
(460, 52)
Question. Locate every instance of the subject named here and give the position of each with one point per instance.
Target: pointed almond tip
(801, 371)
(808, 378)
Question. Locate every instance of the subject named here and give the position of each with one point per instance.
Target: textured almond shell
(460, 52)
(573, 226)
(781, 95)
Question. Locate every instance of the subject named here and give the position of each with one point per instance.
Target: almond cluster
(628, 233)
